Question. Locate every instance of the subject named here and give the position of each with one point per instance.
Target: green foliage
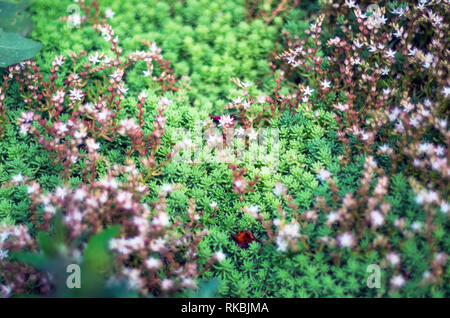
(208, 42)
(206, 289)
(14, 48)
(96, 263)
(15, 25)
(14, 18)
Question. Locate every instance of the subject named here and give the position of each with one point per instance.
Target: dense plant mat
(227, 148)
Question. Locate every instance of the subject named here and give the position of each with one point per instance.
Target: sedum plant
(90, 152)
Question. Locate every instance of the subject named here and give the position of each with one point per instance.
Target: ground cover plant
(228, 148)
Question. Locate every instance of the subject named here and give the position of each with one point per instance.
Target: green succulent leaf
(14, 48)
(97, 255)
(207, 289)
(14, 18)
(40, 261)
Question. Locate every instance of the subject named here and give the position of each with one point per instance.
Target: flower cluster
(2, 110)
(388, 89)
(73, 116)
(154, 253)
(259, 9)
(241, 185)
(359, 106)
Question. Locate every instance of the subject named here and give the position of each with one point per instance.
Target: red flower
(244, 238)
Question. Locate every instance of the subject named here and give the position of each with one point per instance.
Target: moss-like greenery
(207, 43)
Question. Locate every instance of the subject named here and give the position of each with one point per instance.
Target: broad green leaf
(40, 261)
(59, 228)
(21, 4)
(207, 289)
(13, 18)
(97, 255)
(15, 48)
(48, 244)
